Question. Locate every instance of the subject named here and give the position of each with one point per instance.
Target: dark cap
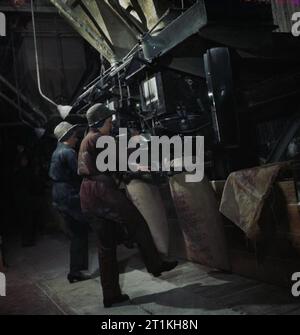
(98, 113)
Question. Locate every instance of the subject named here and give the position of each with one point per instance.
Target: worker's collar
(66, 145)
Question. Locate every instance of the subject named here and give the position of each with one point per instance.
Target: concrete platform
(36, 284)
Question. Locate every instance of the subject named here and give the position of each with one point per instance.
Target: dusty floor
(36, 284)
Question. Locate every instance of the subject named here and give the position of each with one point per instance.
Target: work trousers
(77, 231)
(117, 209)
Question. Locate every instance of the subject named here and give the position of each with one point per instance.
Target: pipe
(37, 59)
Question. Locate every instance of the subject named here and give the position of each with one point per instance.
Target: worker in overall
(107, 206)
(65, 192)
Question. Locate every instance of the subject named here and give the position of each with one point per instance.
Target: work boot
(117, 300)
(78, 276)
(165, 266)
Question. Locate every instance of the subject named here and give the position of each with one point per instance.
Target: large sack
(146, 197)
(245, 194)
(200, 221)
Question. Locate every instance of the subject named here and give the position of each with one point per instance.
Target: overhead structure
(113, 27)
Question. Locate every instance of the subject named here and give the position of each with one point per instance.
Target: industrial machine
(194, 68)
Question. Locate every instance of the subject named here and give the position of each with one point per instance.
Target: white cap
(63, 129)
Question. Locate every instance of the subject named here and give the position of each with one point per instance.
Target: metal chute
(102, 25)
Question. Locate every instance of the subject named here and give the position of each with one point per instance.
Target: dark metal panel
(176, 32)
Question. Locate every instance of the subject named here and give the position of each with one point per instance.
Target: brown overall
(107, 206)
